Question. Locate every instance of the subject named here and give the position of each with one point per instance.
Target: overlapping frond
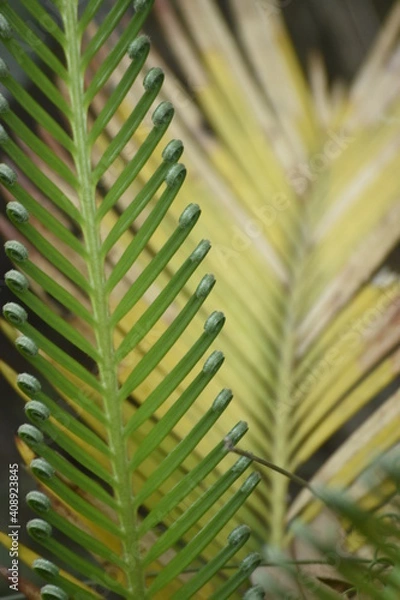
(308, 192)
(309, 180)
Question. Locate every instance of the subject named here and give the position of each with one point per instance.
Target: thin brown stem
(266, 463)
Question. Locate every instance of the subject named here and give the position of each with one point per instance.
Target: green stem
(99, 299)
(291, 476)
(284, 410)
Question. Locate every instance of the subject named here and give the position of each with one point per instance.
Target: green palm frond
(115, 477)
(299, 194)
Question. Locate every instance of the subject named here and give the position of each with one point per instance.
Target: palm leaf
(299, 189)
(114, 474)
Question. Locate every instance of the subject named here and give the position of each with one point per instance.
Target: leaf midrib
(284, 406)
(107, 366)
